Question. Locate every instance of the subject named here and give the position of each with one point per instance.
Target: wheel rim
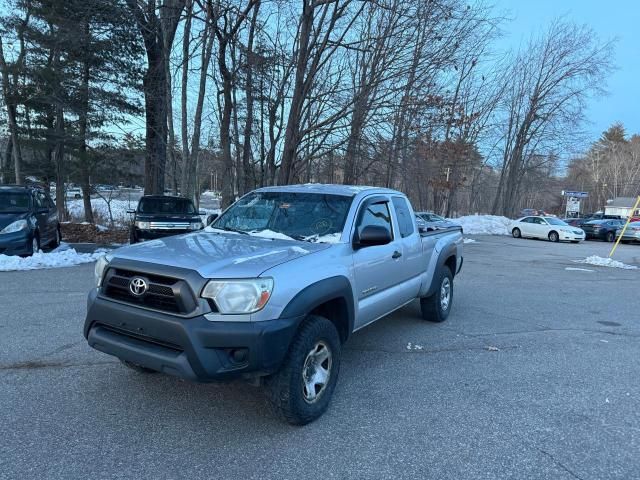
(316, 372)
(516, 233)
(610, 237)
(445, 294)
(34, 245)
(554, 237)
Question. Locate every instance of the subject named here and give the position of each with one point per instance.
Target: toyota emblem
(138, 286)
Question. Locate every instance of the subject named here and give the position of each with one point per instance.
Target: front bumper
(570, 236)
(193, 348)
(16, 243)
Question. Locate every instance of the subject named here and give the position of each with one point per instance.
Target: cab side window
(375, 214)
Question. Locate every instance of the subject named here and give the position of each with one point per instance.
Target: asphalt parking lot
(534, 375)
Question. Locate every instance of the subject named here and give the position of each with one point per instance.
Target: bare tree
(158, 31)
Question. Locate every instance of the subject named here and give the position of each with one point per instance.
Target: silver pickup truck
(272, 289)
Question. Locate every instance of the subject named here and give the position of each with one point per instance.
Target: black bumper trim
(193, 348)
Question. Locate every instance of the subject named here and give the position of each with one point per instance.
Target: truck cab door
(378, 269)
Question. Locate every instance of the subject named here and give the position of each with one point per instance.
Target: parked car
(574, 222)
(631, 234)
(72, 192)
(28, 220)
(272, 303)
(600, 216)
(550, 228)
(602, 229)
(159, 216)
(435, 222)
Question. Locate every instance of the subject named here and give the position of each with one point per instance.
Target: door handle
(396, 254)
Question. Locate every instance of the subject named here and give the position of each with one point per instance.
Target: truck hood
(219, 255)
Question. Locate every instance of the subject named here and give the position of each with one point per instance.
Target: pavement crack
(38, 364)
(558, 462)
(427, 350)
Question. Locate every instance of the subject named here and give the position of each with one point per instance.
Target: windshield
(303, 216)
(168, 205)
(14, 202)
(555, 221)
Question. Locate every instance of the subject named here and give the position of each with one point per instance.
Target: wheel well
(451, 263)
(336, 312)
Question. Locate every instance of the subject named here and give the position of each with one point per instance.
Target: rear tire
(516, 233)
(436, 308)
(137, 368)
(554, 237)
(301, 390)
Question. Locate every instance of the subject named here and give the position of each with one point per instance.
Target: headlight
(101, 266)
(196, 225)
(15, 227)
(239, 296)
(142, 225)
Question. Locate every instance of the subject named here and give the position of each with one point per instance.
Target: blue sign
(576, 194)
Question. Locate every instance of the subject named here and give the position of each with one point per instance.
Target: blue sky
(610, 19)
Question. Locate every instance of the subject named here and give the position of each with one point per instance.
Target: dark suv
(160, 216)
(28, 220)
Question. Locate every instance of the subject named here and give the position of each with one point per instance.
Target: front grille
(166, 294)
(169, 225)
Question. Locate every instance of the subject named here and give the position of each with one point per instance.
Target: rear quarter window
(405, 219)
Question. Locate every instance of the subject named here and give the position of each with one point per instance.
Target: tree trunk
(58, 159)
(249, 183)
(11, 116)
(292, 133)
(82, 130)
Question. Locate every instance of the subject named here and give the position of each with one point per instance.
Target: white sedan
(549, 228)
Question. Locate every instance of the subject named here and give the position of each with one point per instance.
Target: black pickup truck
(159, 216)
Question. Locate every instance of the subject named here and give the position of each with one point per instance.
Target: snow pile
(118, 209)
(469, 240)
(60, 257)
(328, 238)
(270, 234)
(606, 262)
(483, 224)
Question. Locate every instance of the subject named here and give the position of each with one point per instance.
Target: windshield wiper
(230, 229)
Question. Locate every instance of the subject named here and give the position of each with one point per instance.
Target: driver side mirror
(372, 235)
(211, 218)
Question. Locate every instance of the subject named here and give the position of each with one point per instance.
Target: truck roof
(332, 189)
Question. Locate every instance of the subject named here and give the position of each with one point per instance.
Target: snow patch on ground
(573, 269)
(99, 206)
(469, 240)
(299, 250)
(63, 256)
(483, 224)
(605, 262)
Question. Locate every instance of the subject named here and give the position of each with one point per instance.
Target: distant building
(621, 206)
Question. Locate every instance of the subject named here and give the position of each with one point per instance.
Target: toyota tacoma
(272, 289)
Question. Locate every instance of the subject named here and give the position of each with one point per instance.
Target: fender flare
(446, 253)
(323, 291)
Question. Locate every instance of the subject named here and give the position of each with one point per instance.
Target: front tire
(611, 237)
(301, 390)
(516, 233)
(436, 308)
(35, 244)
(57, 239)
(554, 237)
